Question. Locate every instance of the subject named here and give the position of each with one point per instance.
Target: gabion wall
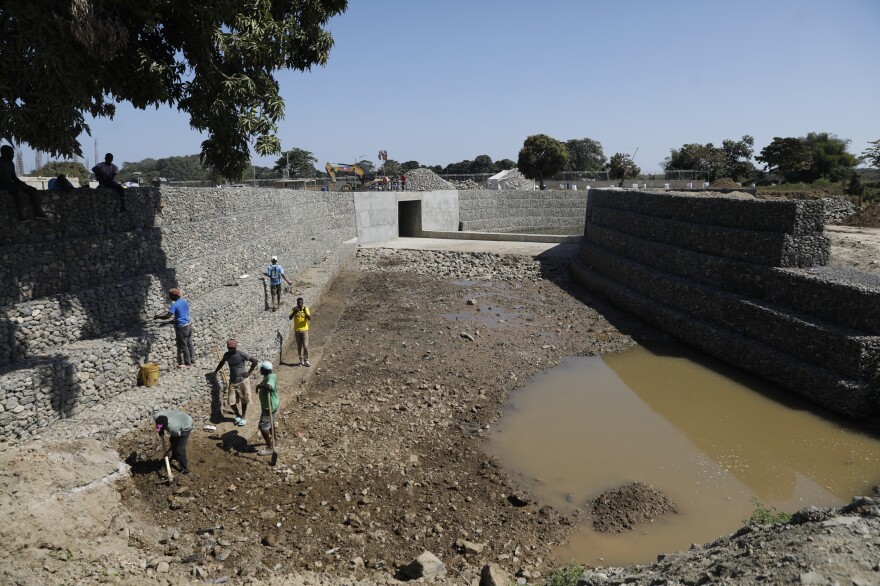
(77, 293)
(742, 280)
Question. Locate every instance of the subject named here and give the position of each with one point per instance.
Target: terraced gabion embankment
(743, 280)
(78, 292)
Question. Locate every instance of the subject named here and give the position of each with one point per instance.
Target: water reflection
(709, 437)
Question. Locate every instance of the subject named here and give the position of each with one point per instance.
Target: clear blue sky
(439, 82)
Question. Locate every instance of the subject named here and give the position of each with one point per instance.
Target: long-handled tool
(222, 371)
(167, 463)
(274, 458)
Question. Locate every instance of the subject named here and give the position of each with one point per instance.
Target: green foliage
(732, 159)
(855, 187)
(621, 166)
(764, 516)
(542, 156)
(504, 165)
(585, 154)
(69, 168)
(409, 165)
(872, 154)
(566, 576)
(214, 60)
(788, 157)
(819, 155)
(302, 163)
(391, 168)
(482, 164)
(185, 168)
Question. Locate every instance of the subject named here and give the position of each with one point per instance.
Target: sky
(440, 82)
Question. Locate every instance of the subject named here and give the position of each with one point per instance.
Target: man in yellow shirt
(301, 317)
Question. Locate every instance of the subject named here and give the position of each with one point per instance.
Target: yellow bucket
(149, 374)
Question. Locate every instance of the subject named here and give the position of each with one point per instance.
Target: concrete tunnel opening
(409, 219)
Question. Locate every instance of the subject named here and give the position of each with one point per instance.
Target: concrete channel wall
(735, 278)
(77, 293)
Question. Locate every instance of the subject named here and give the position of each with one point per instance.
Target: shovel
(167, 463)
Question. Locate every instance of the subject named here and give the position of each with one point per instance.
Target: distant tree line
(816, 156)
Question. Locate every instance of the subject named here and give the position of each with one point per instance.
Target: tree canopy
(732, 159)
(69, 168)
(808, 158)
(621, 166)
(542, 156)
(302, 163)
(872, 154)
(213, 60)
(585, 154)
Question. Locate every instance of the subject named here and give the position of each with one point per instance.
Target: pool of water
(706, 435)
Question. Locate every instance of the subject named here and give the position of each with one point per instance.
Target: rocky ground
(380, 458)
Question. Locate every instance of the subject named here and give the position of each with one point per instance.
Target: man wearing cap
(239, 390)
(268, 393)
(275, 272)
(179, 425)
(179, 310)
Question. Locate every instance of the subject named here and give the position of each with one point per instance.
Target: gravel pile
(465, 266)
(838, 209)
(425, 180)
(467, 184)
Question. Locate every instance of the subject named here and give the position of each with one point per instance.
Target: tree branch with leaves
(214, 60)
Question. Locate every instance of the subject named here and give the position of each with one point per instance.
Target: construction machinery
(364, 180)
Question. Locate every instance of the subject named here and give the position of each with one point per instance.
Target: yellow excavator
(364, 180)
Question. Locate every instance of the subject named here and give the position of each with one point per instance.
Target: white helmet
(266, 365)
(274, 258)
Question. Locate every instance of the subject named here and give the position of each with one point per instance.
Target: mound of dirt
(869, 217)
(725, 183)
(629, 505)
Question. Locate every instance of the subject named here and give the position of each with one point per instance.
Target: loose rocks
(426, 180)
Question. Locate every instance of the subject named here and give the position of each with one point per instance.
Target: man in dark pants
(179, 425)
(239, 390)
(179, 310)
(105, 173)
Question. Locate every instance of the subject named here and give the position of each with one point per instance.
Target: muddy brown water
(709, 437)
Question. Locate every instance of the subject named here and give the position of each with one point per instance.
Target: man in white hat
(268, 393)
(275, 272)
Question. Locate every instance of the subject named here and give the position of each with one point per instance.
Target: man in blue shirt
(179, 310)
(275, 272)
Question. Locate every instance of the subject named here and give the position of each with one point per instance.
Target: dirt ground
(381, 449)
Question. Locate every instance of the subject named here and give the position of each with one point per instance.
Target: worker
(267, 390)
(301, 317)
(239, 390)
(275, 272)
(178, 425)
(179, 310)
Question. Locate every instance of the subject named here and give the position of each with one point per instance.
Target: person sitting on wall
(20, 190)
(61, 183)
(105, 173)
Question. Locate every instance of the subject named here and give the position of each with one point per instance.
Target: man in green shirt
(268, 393)
(178, 425)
